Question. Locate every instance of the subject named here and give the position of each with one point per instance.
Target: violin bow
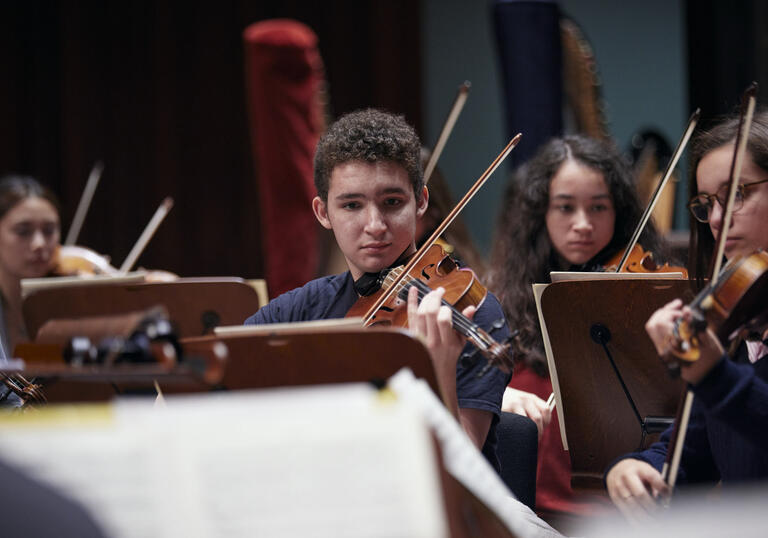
(450, 121)
(85, 202)
(742, 136)
(441, 228)
(675, 449)
(692, 121)
(147, 234)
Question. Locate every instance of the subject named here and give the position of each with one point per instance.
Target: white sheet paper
(333, 461)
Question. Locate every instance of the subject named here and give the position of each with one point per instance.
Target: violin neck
(461, 323)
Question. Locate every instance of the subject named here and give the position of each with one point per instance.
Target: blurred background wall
(156, 91)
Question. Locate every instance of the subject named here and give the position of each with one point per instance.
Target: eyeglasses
(701, 205)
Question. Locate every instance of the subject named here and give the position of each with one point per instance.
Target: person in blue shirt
(727, 438)
(371, 194)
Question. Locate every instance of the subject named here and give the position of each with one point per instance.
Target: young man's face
(372, 211)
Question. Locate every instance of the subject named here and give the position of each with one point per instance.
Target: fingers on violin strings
(675, 304)
(428, 310)
(414, 322)
(444, 324)
(426, 314)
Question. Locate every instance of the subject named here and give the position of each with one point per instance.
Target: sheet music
(538, 289)
(465, 462)
(336, 461)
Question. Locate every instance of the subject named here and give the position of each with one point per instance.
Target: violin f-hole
(446, 265)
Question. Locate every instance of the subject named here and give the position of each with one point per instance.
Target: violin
(734, 304)
(29, 392)
(462, 289)
(640, 261)
(71, 260)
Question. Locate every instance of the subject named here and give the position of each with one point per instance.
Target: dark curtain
(156, 91)
(530, 58)
(727, 49)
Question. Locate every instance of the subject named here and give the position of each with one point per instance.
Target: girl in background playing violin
(571, 207)
(727, 437)
(29, 235)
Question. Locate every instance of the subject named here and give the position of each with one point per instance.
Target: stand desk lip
(114, 374)
(303, 327)
(568, 276)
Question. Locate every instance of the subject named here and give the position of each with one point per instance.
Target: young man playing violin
(370, 193)
(727, 437)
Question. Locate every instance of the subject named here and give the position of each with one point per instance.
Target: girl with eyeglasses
(727, 437)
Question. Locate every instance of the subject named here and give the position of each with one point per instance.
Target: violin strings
(459, 320)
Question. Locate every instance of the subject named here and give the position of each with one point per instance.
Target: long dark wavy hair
(523, 252)
(701, 247)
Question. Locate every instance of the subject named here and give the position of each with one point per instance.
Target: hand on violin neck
(661, 325)
(661, 329)
(431, 321)
(710, 353)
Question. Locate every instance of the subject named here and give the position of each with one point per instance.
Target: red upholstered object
(284, 77)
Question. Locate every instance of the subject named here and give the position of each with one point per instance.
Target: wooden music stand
(292, 356)
(194, 305)
(288, 357)
(597, 419)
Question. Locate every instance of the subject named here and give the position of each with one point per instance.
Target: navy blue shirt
(727, 436)
(332, 296)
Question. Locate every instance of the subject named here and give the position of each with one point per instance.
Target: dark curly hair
(370, 136)
(701, 246)
(523, 252)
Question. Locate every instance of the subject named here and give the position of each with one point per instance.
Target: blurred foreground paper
(324, 461)
(705, 513)
(466, 464)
